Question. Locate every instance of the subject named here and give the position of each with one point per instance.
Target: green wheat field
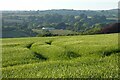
(83, 56)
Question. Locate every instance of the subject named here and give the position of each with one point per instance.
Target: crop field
(85, 56)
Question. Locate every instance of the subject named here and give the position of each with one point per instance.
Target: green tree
(77, 26)
(61, 25)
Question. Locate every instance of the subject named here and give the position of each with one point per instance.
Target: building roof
(48, 28)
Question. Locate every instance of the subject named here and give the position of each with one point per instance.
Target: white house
(47, 28)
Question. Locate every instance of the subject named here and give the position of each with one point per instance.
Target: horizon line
(62, 9)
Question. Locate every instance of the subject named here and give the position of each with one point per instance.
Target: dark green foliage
(61, 25)
(39, 56)
(49, 42)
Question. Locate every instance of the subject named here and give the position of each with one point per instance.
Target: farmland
(85, 56)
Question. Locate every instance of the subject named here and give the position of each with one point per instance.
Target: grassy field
(89, 56)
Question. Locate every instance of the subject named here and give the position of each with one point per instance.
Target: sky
(58, 4)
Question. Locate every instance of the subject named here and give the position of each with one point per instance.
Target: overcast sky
(58, 4)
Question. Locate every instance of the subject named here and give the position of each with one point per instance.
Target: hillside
(90, 56)
(24, 22)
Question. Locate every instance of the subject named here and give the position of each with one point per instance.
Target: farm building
(47, 28)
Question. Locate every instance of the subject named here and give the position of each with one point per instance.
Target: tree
(61, 25)
(94, 30)
(85, 26)
(77, 26)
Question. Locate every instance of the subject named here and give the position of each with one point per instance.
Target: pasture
(85, 56)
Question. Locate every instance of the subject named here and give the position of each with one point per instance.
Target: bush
(95, 30)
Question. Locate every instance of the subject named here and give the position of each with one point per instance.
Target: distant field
(13, 20)
(56, 31)
(89, 56)
(112, 18)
